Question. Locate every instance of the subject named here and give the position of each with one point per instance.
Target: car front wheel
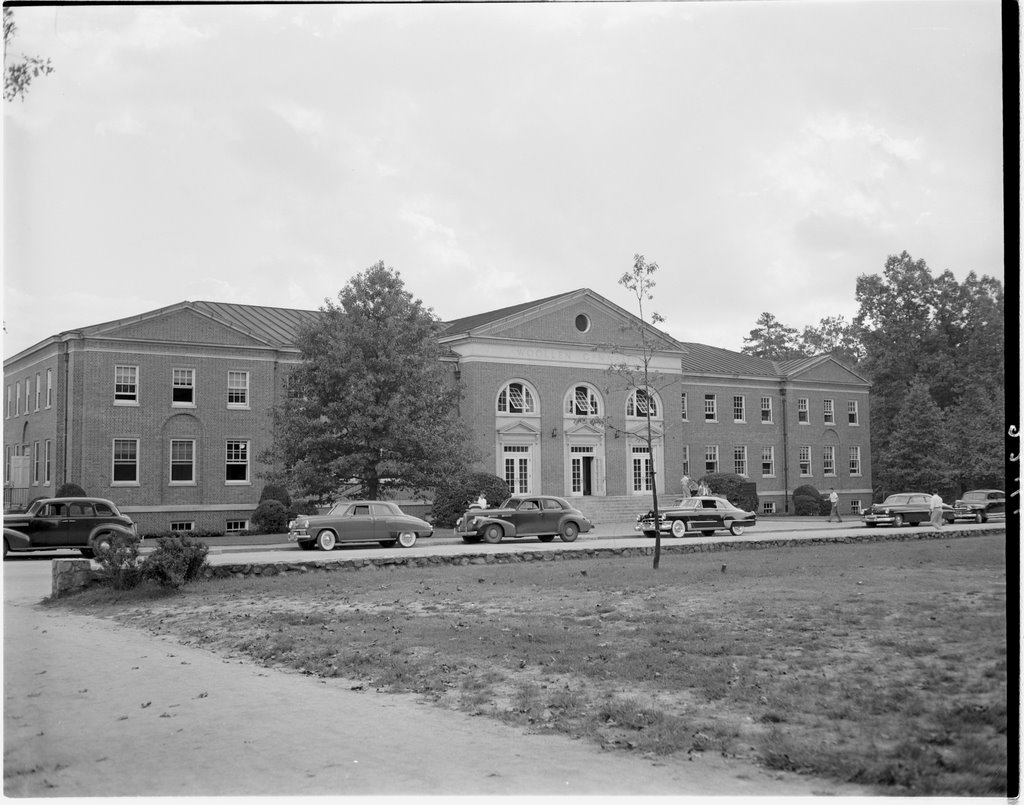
(678, 528)
(326, 540)
(101, 544)
(569, 532)
(493, 534)
(407, 539)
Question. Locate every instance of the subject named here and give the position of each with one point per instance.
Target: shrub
(734, 488)
(452, 499)
(807, 501)
(70, 490)
(119, 566)
(198, 533)
(276, 492)
(271, 517)
(177, 560)
(303, 507)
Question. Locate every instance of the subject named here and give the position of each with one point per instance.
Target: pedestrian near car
(833, 498)
(935, 504)
(686, 486)
(703, 488)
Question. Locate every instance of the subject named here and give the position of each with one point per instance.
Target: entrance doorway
(582, 471)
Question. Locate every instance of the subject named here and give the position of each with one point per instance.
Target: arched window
(516, 398)
(582, 401)
(639, 402)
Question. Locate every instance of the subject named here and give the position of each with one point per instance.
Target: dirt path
(91, 708)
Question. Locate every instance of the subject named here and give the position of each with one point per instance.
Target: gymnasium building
(167, 412)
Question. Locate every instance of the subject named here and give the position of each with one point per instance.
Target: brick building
(168, 412)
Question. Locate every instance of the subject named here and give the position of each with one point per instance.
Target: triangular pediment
(579, 317)
(178, 324)
(639, 430)
(584, 429)
(826, 369)
(519, 428)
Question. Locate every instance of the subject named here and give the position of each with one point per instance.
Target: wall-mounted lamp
(554, 432)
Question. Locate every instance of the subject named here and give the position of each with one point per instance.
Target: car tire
(569, 532)
(326, 540)
(101, 543)
(493, 534)
(678, 528)
(546, 537)
(388, 543)
(472, 539)
(407, 539)
(897, 521)
(708, 532)
(736, 529)
(307, 545)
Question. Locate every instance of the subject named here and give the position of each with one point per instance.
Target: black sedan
(705, 513)
(540, 516)
(358, 521)
(905, 508)
(88, 524)
(981, 505)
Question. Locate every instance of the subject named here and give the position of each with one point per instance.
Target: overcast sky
(763, 154)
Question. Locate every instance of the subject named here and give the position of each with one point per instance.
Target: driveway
(95, 709)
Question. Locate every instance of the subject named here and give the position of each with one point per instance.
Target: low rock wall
(74, 574)
(69, 575)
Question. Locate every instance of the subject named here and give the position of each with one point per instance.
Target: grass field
(883, 664)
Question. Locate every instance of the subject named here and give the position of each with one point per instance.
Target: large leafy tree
(833, 336)
(371, 409)
(19, 71)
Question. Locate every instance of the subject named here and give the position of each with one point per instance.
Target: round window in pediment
(583, 322)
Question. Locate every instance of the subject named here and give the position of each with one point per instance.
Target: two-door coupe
(904, 508)
(540, 516)
(88, 524)
(981, 505)
(358, 521)
(704, 513)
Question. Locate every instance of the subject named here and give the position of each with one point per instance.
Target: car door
(919, 509)
(706, 517)
(550, 516)
(995, 504)
(49, 528)
(358, 524)
(529, 517)
(81, 519)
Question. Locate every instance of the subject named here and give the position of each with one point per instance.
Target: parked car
(88, 524)
(981, 505)
(704, 513)
(540, 516)
(905, 508)
(358, 521)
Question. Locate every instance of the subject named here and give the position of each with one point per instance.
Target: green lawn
(883, 664)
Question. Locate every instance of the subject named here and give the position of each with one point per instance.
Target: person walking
(833, 498)
(686, 486)
(935, 504)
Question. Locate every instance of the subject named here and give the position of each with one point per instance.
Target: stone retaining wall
(74, 574)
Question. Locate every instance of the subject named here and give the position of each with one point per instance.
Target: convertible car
(705, 513)
(905, 508)
(358, 521)
(88, 524)
(540, 516)
(981, 505)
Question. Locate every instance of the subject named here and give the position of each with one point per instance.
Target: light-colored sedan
(358, 521)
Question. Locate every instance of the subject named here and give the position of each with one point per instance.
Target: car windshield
(690, 503)
(510, 503)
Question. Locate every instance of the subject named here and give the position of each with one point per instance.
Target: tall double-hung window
(805, 460)
(125, 462)
(766, 409)
(710, 408)
(828, 460)
(236, 469)
(183, 387)
(739, 408)
(739, 460)
(183, 461)
(126, 385)
(238, 389)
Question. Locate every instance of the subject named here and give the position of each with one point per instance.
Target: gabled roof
(469, 323)
(704, 359)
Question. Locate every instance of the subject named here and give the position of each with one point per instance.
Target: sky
(763, 154)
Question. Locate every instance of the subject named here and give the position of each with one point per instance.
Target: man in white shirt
(935, 504)
(833, 498)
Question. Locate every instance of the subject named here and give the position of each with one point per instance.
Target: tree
(638, 376)
(18, 74)
(833, 336)
(371, 408)
(916, 458)
(772, 339)
(975, 429)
